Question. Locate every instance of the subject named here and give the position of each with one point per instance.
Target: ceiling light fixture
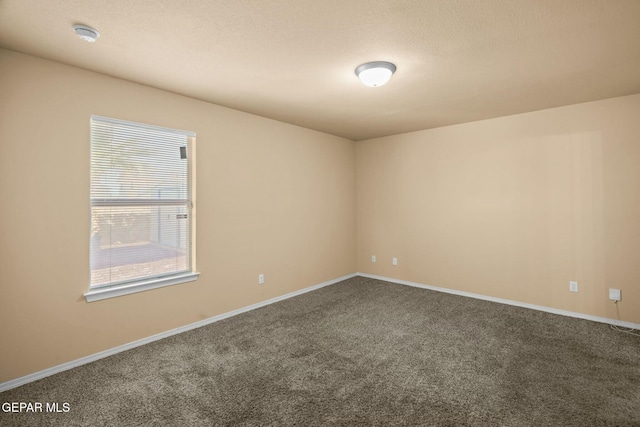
(375, 73)
(86, 33)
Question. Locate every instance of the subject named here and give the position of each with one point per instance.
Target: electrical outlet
(260, 279)
(373, 258)
(573, 286)
(615, 294)
(394, 261)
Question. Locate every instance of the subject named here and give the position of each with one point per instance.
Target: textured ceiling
(293, 60)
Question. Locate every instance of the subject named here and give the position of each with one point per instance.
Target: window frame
(112, 290)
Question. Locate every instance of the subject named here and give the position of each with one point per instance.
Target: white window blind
(140, 203)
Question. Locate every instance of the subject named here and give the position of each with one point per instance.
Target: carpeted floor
(361, 352)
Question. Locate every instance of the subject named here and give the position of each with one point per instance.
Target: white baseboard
(506, 301)
(106, 353)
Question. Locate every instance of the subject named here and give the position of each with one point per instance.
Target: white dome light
(86, 33)
(376, 73)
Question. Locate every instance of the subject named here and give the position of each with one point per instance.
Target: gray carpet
(361, 352)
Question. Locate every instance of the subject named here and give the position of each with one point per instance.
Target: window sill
(130, 288)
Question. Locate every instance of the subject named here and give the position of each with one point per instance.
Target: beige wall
(271, 198)
(513, 207)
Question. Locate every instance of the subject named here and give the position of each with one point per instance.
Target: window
(141, 207)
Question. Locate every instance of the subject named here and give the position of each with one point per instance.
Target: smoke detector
(86, 33)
